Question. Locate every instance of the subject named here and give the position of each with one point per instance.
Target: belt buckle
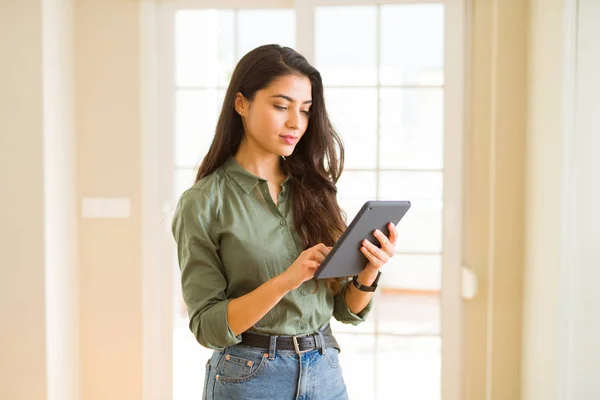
(296, 347)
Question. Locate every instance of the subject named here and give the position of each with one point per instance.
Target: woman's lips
(290, 139)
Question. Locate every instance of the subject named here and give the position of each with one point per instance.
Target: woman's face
(278, 116)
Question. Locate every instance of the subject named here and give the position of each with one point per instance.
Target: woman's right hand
(304, 267)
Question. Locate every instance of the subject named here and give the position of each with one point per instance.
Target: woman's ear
(241, 104)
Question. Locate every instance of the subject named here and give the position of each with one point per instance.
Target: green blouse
(231, 238)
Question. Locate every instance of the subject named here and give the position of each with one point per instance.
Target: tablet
(345, 258)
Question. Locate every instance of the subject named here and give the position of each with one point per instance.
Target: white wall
(580, 298)
(543, 193)
(561, 324)
(39, 339)
(109, 148)
(22, 297)
(60, 211)
(70, 289)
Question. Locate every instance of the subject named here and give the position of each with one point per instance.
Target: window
(384, 92)
(385, 88)
(208, 45)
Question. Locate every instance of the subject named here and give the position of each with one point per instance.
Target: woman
(255, 226)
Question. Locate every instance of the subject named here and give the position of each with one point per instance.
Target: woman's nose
(293, 120)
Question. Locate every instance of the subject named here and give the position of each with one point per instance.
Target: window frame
(157, 121)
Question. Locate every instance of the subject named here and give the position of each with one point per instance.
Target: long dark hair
(318, 159)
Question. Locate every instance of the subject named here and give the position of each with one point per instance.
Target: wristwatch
(364, 288)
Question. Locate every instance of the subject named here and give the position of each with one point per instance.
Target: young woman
(255, 226)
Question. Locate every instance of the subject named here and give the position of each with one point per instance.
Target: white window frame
(157, 118)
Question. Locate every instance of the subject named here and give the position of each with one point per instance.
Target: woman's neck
(259, 163)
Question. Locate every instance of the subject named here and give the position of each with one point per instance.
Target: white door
(393, 77)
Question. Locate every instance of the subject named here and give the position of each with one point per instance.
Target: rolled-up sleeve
(203, 283)
(342, 313)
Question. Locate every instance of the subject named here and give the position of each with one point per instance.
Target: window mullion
(378, 127)
(305, 16)
(236, 46)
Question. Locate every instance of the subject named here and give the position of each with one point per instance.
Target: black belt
(300, 343)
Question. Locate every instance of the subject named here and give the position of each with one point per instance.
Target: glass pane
(354, 189)
(204, 46)
(366, 327)
(413, 186)
(408, 368)
(412, 44)
(259, 27)
(421, 228)
(408, 314)
(358, 364)
(415, 272)
(197, 112)
(412, 128)
(184, 179)
(344, 54)
(189, 362)
(354, 114)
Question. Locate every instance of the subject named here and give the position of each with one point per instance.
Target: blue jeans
(247, 373)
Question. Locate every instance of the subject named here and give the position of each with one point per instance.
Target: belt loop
(318, 341)
(272, 347)
(321, 342)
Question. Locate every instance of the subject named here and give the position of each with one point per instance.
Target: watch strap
(366, 288)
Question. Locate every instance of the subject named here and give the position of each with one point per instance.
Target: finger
(317, 256)
(312, 265)
(393, 233)
(376, 251)
(321, 248)
(371, 257)
(386, 245)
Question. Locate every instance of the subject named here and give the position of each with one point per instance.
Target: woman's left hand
(378, 257)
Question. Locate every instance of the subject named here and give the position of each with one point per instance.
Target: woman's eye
(283, 108)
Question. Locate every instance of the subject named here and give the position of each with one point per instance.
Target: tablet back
(345, 258)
